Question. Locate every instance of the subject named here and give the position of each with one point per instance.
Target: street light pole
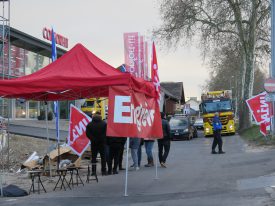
(272, 75)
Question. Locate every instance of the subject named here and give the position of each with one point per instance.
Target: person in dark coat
(164, 143)
(115, 144)
(96, 132)
(217, 127)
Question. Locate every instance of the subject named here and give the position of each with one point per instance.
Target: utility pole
(272, 75)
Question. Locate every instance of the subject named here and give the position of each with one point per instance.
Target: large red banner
(131, 47)
(77, 139)
(260, 108)
(132, 114)
(261, 111)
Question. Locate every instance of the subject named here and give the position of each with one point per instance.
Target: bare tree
(217, 22)
(225, 74)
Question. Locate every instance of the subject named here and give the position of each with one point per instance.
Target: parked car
(199, 123)
(182, 128)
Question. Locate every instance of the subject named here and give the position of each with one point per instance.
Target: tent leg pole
(156, 159)
(48, 138)
(127, 168)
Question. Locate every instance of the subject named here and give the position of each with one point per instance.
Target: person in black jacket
(96, 132)
(164, 143)
(115, 145)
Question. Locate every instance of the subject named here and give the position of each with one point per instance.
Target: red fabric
(77, 139)
(155, 75)
(132, 114)
(259, 108)
(263, 128)
(77, 74)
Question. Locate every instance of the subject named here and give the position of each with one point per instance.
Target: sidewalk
(63, 124)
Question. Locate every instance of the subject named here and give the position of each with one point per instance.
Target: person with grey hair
(217, 127)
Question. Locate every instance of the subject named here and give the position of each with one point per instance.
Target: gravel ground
(21, 147)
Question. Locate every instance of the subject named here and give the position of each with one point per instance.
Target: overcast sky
(99, 25)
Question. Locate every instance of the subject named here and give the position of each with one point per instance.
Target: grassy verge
(253, 136)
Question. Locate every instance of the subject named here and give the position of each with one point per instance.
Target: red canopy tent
(80, 74)
(76, 75)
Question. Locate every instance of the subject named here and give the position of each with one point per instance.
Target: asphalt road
(37, 132)
(193, 177)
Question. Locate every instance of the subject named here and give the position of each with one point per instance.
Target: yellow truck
(218, 101)
(93, 105)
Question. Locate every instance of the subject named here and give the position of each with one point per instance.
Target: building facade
(23, 56)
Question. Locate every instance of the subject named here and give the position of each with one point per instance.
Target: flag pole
(127, 168)
(57, 130)
(54, 57)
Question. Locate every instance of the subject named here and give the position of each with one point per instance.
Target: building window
(33, 109)
(20, 108)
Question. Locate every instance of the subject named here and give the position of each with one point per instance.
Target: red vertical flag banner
(77, 139)
(131, 45)
(132, 114)
(154, 72)
(141, 56)
(146, 75)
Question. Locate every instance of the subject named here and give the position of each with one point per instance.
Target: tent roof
(77, 74)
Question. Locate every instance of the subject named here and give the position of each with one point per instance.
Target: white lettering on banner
(79, 129)
(141, 116)
(264, 110)
(131, 49)
(119, 109)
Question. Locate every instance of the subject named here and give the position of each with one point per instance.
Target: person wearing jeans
(148, 148)
(134, 145)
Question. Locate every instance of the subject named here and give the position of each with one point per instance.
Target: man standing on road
(164, 143)
(217, 127)
(96, 132)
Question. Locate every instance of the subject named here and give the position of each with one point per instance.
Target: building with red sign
(27, 55)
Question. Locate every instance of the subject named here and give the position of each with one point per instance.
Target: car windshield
(88, 104)
(217, 106)
(199, 120)
(178, 122)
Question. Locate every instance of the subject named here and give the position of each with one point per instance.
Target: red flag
(260, 108)
(154, 72)
(131, 48)
(77, 139)
(132, 114)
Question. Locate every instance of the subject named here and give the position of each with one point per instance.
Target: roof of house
(176, 89)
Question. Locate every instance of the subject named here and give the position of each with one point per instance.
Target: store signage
(59, 39)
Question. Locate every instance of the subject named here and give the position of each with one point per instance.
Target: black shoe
(109, 172)
(221, 152)
(214, 152)
(115, 172)
(104, 173)
(121, 168)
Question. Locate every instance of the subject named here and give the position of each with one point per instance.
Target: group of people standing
(111, 148)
